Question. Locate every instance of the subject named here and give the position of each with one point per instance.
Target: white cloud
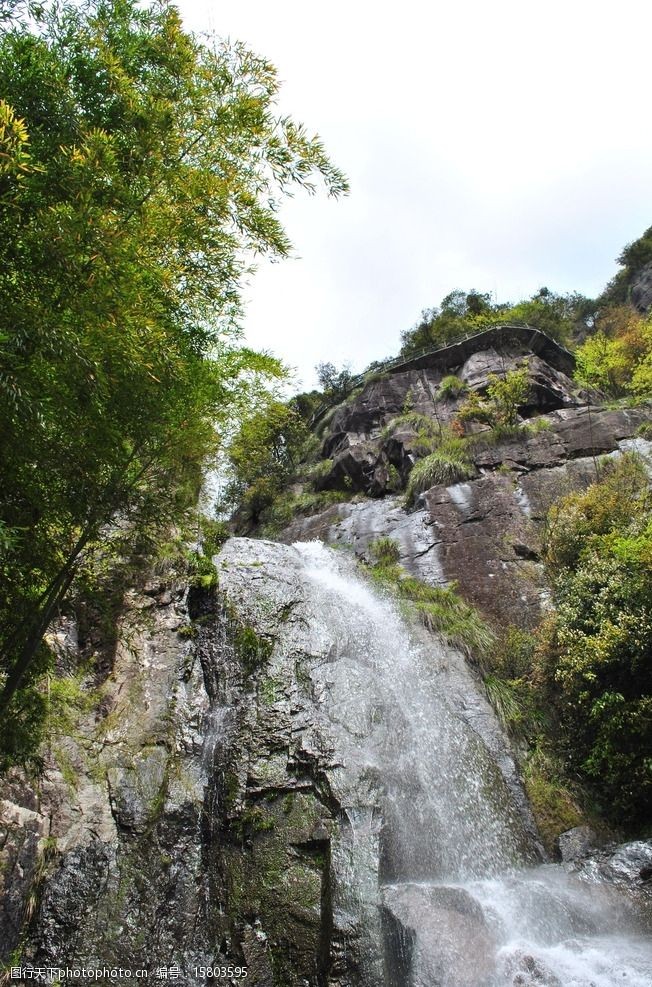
(498, 145)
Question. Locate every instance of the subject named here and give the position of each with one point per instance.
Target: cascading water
(428, 789)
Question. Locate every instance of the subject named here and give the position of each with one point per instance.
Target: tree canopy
(461, 314)
(140, 172)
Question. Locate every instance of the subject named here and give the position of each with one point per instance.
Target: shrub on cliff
(595, 667)
(618, 358)
(506, 394)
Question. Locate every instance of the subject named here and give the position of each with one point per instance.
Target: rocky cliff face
(215, 808)
(254, 790)
(485, 533)
(641, 290)
(205, 813)
(103, 857)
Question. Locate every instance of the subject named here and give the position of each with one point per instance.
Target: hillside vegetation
(576, 691)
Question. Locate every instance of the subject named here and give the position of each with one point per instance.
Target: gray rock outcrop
(641, 290)
(485, 534)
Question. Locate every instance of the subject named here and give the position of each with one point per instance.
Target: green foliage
(460, 314)
(596, 664)
(554, 805)
(617, 358)
(385, 551)
(201, 571)
(429, 433)
(68, 698)
(441, 609)
(641, 383)
(394, 482)
(504, 697)
(307, 403)
(140, 166)
(632, 259)
(513, 656)
(603, 363)
(49, 710)
(506, 394)
(413, 420)
(447, 465)
(263, 455)
(319, 471)
(537, 425)
(213, 535)
(252, 820)
(559, 316)
(451, 387)
(286, 507)
(336, 384)
(579, 521)
(251, 650)
(476, 409)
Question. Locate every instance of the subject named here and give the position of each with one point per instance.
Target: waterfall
(435, 860)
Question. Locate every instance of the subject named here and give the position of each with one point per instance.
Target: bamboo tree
(139, 169)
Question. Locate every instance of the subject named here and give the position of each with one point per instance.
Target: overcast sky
(495, 145)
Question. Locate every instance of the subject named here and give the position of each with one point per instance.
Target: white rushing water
(435, 859)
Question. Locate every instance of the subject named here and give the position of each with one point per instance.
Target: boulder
(436, 935)
(626, 866)
(576, 843)
(548, 388)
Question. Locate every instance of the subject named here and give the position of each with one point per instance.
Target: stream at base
(538, 926)
(437, 860)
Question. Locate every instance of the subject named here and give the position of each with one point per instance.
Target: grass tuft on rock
(385, 551)
(439, 608)
(451, 387)
(447, 465)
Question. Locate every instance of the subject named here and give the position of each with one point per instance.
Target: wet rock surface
(116, 876)
(454, 944)
(485, 533)
(627, 866)
(217, 798)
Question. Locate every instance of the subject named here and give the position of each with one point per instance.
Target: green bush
(575, 522)
(214, 534)
(285, 508)
(504, 697)
(414, 421)
(394, 482)
(318, 472)
(595, 667)
(553, 803)
(451, 387)
(537, 425)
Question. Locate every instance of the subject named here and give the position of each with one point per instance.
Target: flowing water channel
(437, 860)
